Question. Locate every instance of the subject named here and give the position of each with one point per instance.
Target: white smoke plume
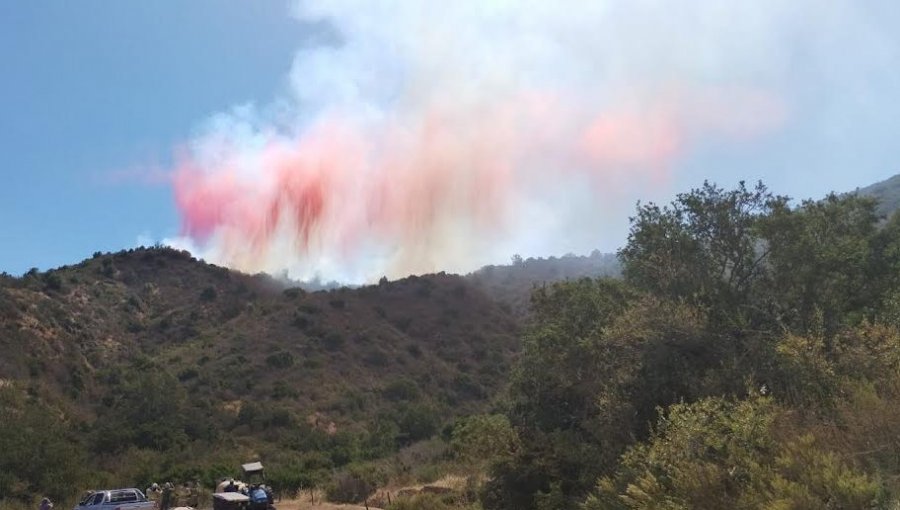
(427, 136)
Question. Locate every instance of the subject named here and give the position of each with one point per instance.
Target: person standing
(165, 501)
(153, 492)
(46, 504)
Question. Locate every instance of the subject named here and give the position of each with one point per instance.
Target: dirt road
(304, 504)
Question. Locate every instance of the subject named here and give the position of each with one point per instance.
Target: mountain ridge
(887, 192)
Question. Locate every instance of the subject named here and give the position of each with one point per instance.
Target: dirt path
(304, 504)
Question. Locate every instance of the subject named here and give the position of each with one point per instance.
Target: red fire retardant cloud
(407, 184)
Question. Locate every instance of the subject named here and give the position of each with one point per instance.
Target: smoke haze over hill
(422, 137)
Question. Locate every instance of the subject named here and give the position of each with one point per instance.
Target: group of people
(167, 496)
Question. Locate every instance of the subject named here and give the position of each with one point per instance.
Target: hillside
(887, 192)
(775, 378)
(150, 349)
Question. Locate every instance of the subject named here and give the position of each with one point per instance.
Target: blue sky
(95, 93)
(93, 89)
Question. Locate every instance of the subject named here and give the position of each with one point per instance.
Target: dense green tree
(705, 247)
(821, 261)
(553, 380)
(561, 372)
(484, 438)
(597, 362)
(884, 272)
(723, 290)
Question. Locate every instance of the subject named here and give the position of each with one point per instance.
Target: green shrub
(354, 484)
(282, 390)
(417, 422)
(280, 359)
(52, 281)
(333, 341)
(401, 389)
(188, 374)
(208, 294)
(717, 453)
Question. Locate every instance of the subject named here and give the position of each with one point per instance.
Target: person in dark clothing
(165, 500)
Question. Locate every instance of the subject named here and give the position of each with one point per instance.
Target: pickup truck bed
(116, 499)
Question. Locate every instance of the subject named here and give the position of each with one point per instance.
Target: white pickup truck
(116, 499)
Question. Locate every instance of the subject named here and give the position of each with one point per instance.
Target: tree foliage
(643, 383)
(40, 454)
(706, 247)
(716, 453)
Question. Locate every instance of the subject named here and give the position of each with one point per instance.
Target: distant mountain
(887, 192)
(511, 285)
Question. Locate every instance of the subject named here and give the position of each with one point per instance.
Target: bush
(287, 481)
(333, 341)
(309, 308)
(403, 323)
(401, 389)
(187, 374)
(354, 484)
(376, 358)
(52, 281)
(208, 294)
(717, 453)
(282, 390)
(280, 359)
(301, 321)
(417, 422)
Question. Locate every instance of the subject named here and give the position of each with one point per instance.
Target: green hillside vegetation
(148, 365)
(511, 285)
(748, 356)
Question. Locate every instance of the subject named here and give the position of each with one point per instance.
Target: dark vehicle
(261, 496)
(230, 501)
(237, 495)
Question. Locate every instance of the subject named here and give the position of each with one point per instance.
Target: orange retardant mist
(451, 136)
